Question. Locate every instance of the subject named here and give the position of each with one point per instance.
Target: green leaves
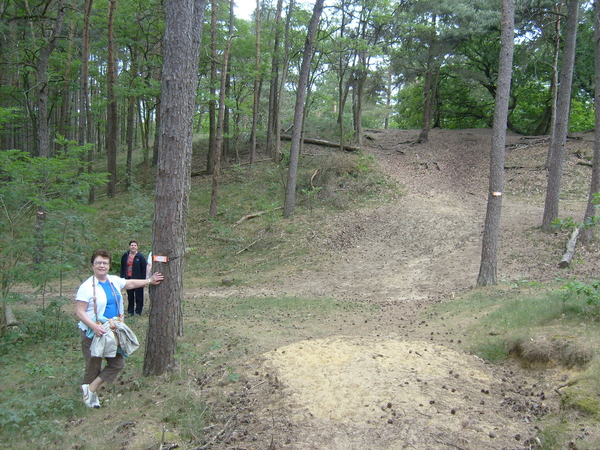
(42, 201)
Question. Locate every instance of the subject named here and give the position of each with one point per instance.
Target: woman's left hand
(156, 278)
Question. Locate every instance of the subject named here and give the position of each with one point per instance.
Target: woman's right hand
(99, 329)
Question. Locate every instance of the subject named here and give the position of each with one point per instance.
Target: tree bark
(65, 103)
(84, 103)
(112, 119)
(221, 118)
(428, 88)
(556, 152)
(489, 249)
(257, 76)
(343, 84)
(212, 104)
(290, 191)
(273, 119)
(43, 131)
(183, 32)
(283, 78)
(131, 109)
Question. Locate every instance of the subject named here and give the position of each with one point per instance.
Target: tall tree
(290, 190)
(221, 117)
(112, 111)
(591, 210)
(488, 268)
(85, 119)
(283, 78)
(212, 105)
(43, 132)
(183, 32)
(556, 152)
(273, 119)
(65, 103)
(257, 83)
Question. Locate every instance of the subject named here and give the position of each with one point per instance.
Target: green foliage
(494, 351)
(582, 116)
(43, 226)
(586, 291)
(31, 413)
(569, 223)
(6, 115)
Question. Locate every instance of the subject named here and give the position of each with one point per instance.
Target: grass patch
(536, 326)
(541, 327)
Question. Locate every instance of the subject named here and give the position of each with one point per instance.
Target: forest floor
(392, 378)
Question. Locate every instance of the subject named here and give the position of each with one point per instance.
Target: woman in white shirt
(100, 297)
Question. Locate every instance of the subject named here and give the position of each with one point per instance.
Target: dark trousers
(135, 299)
(93, 366)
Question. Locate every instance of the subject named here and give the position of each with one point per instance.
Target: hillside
(388, 378)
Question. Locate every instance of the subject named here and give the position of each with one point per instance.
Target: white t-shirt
(85, 293)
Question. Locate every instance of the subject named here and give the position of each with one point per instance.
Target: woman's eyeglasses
(101, 263)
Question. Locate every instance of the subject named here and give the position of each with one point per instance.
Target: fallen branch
(324, 143)
(517, 167)
(312, 178)
(253, 215)
(585, 163)
(568, 256)
(224, 239)
(248, 246)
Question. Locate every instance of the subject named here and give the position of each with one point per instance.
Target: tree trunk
(84, 106)
(290, 191)
(131, 109)
(274, 86)
(283, 80)
(64, 104)
(489, 253)
(343, 84)
(221, 118)
(183, 32)
(43, 131)
(591, 210)
(428, 88)
(112, 113)
(556, 152)
(360, 92)
(555, 60)
(212, 103)
(257, 76)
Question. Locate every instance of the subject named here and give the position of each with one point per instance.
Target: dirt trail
(382, 386)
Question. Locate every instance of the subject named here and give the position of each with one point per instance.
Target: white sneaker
(90, 398)
(87, 395)
(95, 400)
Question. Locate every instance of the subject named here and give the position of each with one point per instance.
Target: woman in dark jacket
(133, 266)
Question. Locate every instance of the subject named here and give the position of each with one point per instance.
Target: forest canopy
(373, 62)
